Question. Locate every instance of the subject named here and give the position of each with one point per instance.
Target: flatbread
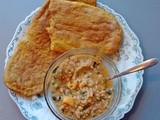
(25, 70)
(78, 25)
(90, 2)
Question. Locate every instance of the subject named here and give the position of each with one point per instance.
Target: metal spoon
(146, 64)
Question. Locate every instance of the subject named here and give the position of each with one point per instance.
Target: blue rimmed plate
(130, 55)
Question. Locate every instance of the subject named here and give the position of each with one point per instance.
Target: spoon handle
(146, 64)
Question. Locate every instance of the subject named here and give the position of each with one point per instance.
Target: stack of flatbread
(58, 26)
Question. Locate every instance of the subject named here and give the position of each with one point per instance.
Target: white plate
(130, 54)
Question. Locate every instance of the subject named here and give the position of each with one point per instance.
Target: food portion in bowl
(80, 85)
(75, 87)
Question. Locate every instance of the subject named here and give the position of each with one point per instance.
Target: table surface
(143, 16)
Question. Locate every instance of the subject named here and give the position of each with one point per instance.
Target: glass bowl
(109, 64)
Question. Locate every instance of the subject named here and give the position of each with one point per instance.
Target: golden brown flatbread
(78, 25)
(25, 70)
(91, 2)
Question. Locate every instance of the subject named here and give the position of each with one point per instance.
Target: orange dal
(79, 83)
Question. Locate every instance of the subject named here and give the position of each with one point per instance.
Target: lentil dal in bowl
(75, 87)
